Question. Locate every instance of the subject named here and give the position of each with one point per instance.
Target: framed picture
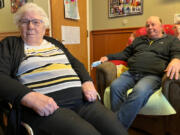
(120, 8)
(15, 4)
(1, 3)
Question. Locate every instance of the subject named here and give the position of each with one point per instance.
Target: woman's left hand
(89, 91)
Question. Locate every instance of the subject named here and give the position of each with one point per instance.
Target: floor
(136, 132)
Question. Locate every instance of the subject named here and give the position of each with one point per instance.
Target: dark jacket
(151, 59)
(11, 90)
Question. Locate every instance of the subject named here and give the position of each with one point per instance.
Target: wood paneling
(109, 41)
(6, 34)
(104, 42)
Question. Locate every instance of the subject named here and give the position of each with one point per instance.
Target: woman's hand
(89, 91)
(41, 104)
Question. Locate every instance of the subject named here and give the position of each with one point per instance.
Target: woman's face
(32, 28)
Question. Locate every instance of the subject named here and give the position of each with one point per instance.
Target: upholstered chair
(161, 113)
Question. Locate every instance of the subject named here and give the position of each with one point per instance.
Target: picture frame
(15, 4)
(1, 4)
(121, 8)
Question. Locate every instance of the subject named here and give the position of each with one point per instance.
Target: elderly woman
(53, 89)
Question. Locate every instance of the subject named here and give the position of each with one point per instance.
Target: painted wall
(90, 2)
(7, 23)
(98, 14)
(162, 8)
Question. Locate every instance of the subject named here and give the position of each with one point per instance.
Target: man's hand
(41, 104)
(89, 91)
(173, 69)
(104, 59)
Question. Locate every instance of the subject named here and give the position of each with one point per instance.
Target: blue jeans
(128, 106)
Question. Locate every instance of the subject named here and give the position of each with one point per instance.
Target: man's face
(32, 28)
(154, 27)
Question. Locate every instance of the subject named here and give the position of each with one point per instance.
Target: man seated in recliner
(148, 58)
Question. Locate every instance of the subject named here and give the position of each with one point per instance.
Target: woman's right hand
(104, 59)
(41, 104)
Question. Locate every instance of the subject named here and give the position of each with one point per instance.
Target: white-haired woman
(55, 92)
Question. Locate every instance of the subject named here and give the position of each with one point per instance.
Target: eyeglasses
(35, 22)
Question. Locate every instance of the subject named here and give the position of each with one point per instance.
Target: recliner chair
(162, 108)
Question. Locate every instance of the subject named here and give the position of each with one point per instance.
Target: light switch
(125, 21)
(177, 18)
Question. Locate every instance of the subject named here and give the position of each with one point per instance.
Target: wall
(162, 8)
(7, 24)
(90, 2)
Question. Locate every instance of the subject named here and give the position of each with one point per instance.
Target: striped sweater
(12, 56)
(46, 69)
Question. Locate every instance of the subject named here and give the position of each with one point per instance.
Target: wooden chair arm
(105, 74)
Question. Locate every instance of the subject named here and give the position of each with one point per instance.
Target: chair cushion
(118, 62)
(120, 69)
(156, 105)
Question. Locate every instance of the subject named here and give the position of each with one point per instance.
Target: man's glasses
(35, 22)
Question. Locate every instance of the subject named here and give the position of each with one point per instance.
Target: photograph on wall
(71, 9)
(120, 8)
(1, 4)
(15, 4)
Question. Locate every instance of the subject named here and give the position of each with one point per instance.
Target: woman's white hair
(28, 7)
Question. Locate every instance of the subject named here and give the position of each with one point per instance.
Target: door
(58, 19)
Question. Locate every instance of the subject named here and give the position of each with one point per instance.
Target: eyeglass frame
(35, 22)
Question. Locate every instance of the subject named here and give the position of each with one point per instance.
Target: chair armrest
(171, 90)
(27, 128)
(105, 74)
(5, 110)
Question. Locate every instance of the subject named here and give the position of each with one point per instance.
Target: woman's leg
(61, 122)
(104, 120)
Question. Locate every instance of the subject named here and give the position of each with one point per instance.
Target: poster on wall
(120, 8)
(15, 4)
(1, 4)
(71, 9)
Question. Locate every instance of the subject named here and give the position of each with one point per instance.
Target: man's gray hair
(31, 7)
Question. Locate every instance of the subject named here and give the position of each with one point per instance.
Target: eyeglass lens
(35, 22)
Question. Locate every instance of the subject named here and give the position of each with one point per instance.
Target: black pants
(88, 119)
